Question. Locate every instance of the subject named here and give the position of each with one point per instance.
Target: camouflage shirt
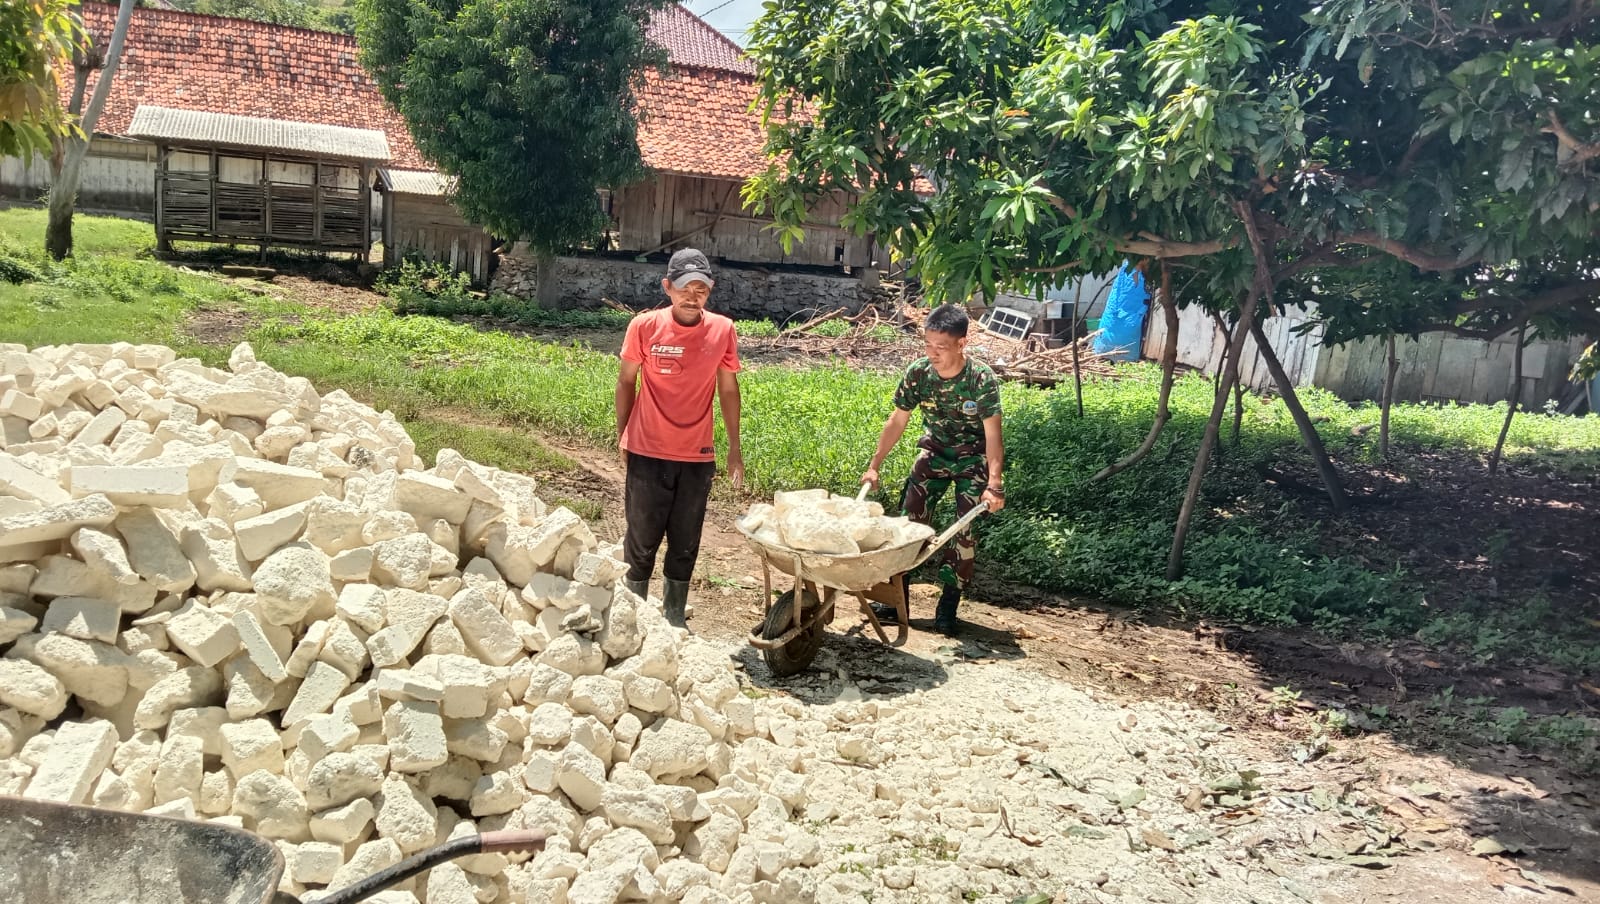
(953, 410)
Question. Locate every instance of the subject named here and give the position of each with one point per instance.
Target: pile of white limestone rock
(224, 596)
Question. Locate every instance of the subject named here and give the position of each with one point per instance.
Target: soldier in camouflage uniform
(961, 443)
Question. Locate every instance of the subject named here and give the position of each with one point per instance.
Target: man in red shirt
(673, 360)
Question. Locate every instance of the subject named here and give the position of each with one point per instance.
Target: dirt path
(1404, 819)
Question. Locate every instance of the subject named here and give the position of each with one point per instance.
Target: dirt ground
(1447, 813)
(1394, 822)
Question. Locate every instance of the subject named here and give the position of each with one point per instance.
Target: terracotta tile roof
(699, 123)
(691, 42)
(695, 120)
(214, 65)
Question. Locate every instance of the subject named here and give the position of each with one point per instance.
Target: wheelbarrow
(792, 627)
(52, 853)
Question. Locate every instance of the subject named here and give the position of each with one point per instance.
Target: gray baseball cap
(689, 265)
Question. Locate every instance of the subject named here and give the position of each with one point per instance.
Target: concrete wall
(119, 176)
(746, 294)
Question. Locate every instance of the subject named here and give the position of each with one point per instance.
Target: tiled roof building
(694, 120)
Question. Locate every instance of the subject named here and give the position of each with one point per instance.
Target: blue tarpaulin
(1122, 323)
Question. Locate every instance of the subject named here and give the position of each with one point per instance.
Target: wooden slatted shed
(270, 182)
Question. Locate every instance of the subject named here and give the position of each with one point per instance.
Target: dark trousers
(664, 499)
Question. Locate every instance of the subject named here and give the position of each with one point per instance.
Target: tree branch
(1576, 151)
(1421, 258)
(1150, 245)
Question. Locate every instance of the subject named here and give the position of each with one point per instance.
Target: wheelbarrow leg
(891, 592)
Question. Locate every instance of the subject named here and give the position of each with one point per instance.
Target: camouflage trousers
(931, 475)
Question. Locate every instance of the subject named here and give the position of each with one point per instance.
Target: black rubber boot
(886, 613)
(944, 617)
(639, 588)
(674, 598)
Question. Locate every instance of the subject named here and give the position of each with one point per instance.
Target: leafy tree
(298, 13)
(37, 40)
(1275, 153)
(70, 149)
(528, 103)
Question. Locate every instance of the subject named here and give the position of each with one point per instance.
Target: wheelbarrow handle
(489, 842)
(950, 532)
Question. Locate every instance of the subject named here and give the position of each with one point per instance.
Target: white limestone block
(405, 561)
(307, 649)
(259, 644)
(323, 685)
(102, 551)
(156, 485)
(31, 688)
(217, 561)
(273, 805)
(405, 684)
(582, 777)
(251, 745)
(279, 485)
(91, 671)
(204, 635)
(57, 522)
(264, 534)
(85, 619)
(180, 770)
(362, 605)
(352, 565)
(14, 623)
(416, 736)
(316, 862)
(347, 823)
(154, 551)
(80, 752)
(487, 633)
(670, 749)
(334, 526)
(339, 779)
(293, 583)
(406, 815)
(23, 481)
(427, 497)
(233, 504)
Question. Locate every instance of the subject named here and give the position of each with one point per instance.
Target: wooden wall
(429, 227)
(667, 210)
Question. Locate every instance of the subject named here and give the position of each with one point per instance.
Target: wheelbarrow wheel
(795, 656)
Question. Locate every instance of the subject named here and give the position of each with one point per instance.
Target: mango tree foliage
(1458, 143)
(529, 103)
(1448, 154)
(37, 39)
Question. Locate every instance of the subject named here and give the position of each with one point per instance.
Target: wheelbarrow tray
(52, 852)
(849, 573)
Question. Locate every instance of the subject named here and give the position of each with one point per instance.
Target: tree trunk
(1260, 285)
(1388, 399)
(64, 183)
(546, 293)
(1169, 367)
(1219, 405)
(1072, 337)
(1308, 430)
(1511, 409)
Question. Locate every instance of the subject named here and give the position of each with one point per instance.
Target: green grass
(1251, 556)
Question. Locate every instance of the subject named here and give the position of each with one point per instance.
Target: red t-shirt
(678, 367)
